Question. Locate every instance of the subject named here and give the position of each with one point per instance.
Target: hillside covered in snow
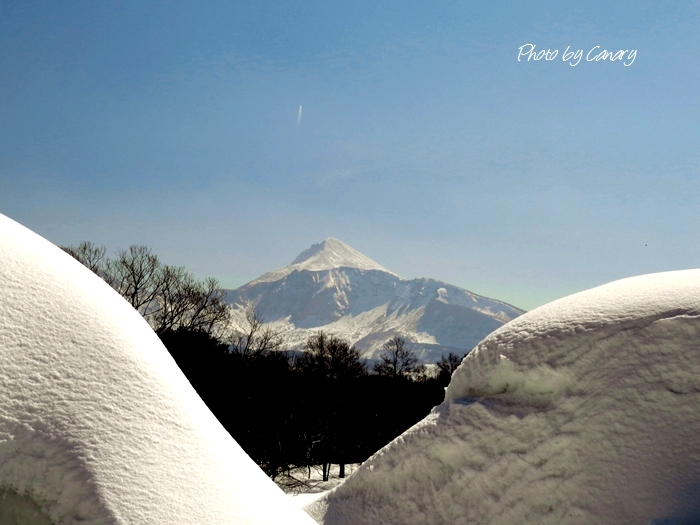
(98, 426)
(583, 411)
(334, 288)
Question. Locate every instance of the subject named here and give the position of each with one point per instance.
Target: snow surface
(583, 411)
(303, 490)
(334, 288)
(305, 498)
(97, 423)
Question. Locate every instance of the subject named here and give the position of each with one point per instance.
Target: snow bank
(583, 411)
(97, 423)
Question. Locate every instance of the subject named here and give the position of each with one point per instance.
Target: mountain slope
(334, 288)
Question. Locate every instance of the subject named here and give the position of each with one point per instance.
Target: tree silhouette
(397, 361)
(446, 366)
(332, 365)
(328, 357)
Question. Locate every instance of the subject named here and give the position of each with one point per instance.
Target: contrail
(299, 117)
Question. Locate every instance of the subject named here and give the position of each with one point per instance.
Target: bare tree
(168, 297)
(174, 299)
(182, 302)
(135, 274)
(256, 340)
(397, 361)
(331, 358)
(447, 365)
(90, 255)
(208, 309)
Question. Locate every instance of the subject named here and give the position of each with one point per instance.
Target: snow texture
(97, 423)
(583, 411)
(334, 288)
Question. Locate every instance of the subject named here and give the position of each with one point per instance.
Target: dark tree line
(286, 409)
(321, 406)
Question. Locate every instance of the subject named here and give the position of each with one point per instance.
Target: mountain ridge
(333, 287)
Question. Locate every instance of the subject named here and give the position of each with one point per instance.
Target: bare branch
(331, 358)
(256, 340)
(168, 297)
(397, 361)
(89, 255)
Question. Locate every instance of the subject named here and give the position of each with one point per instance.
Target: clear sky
(423, 142)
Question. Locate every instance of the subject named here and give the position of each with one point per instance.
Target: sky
(427, 139)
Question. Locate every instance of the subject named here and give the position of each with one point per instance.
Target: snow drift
(583, 411)
(97, 423)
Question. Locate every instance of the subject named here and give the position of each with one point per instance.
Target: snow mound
(97, 423)
(583, 411)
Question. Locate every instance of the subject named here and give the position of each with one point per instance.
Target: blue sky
(424, 143)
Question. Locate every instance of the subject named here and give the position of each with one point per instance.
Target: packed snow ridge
(583, 411)
(334, 288)
(97, 423)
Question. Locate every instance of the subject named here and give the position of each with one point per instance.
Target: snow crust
(97, 423)
(583, 411)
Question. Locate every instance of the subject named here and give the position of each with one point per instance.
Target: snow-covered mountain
(334, 288)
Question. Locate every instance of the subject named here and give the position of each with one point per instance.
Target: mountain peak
(326, 255)
(332, 253)
(316, 249)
